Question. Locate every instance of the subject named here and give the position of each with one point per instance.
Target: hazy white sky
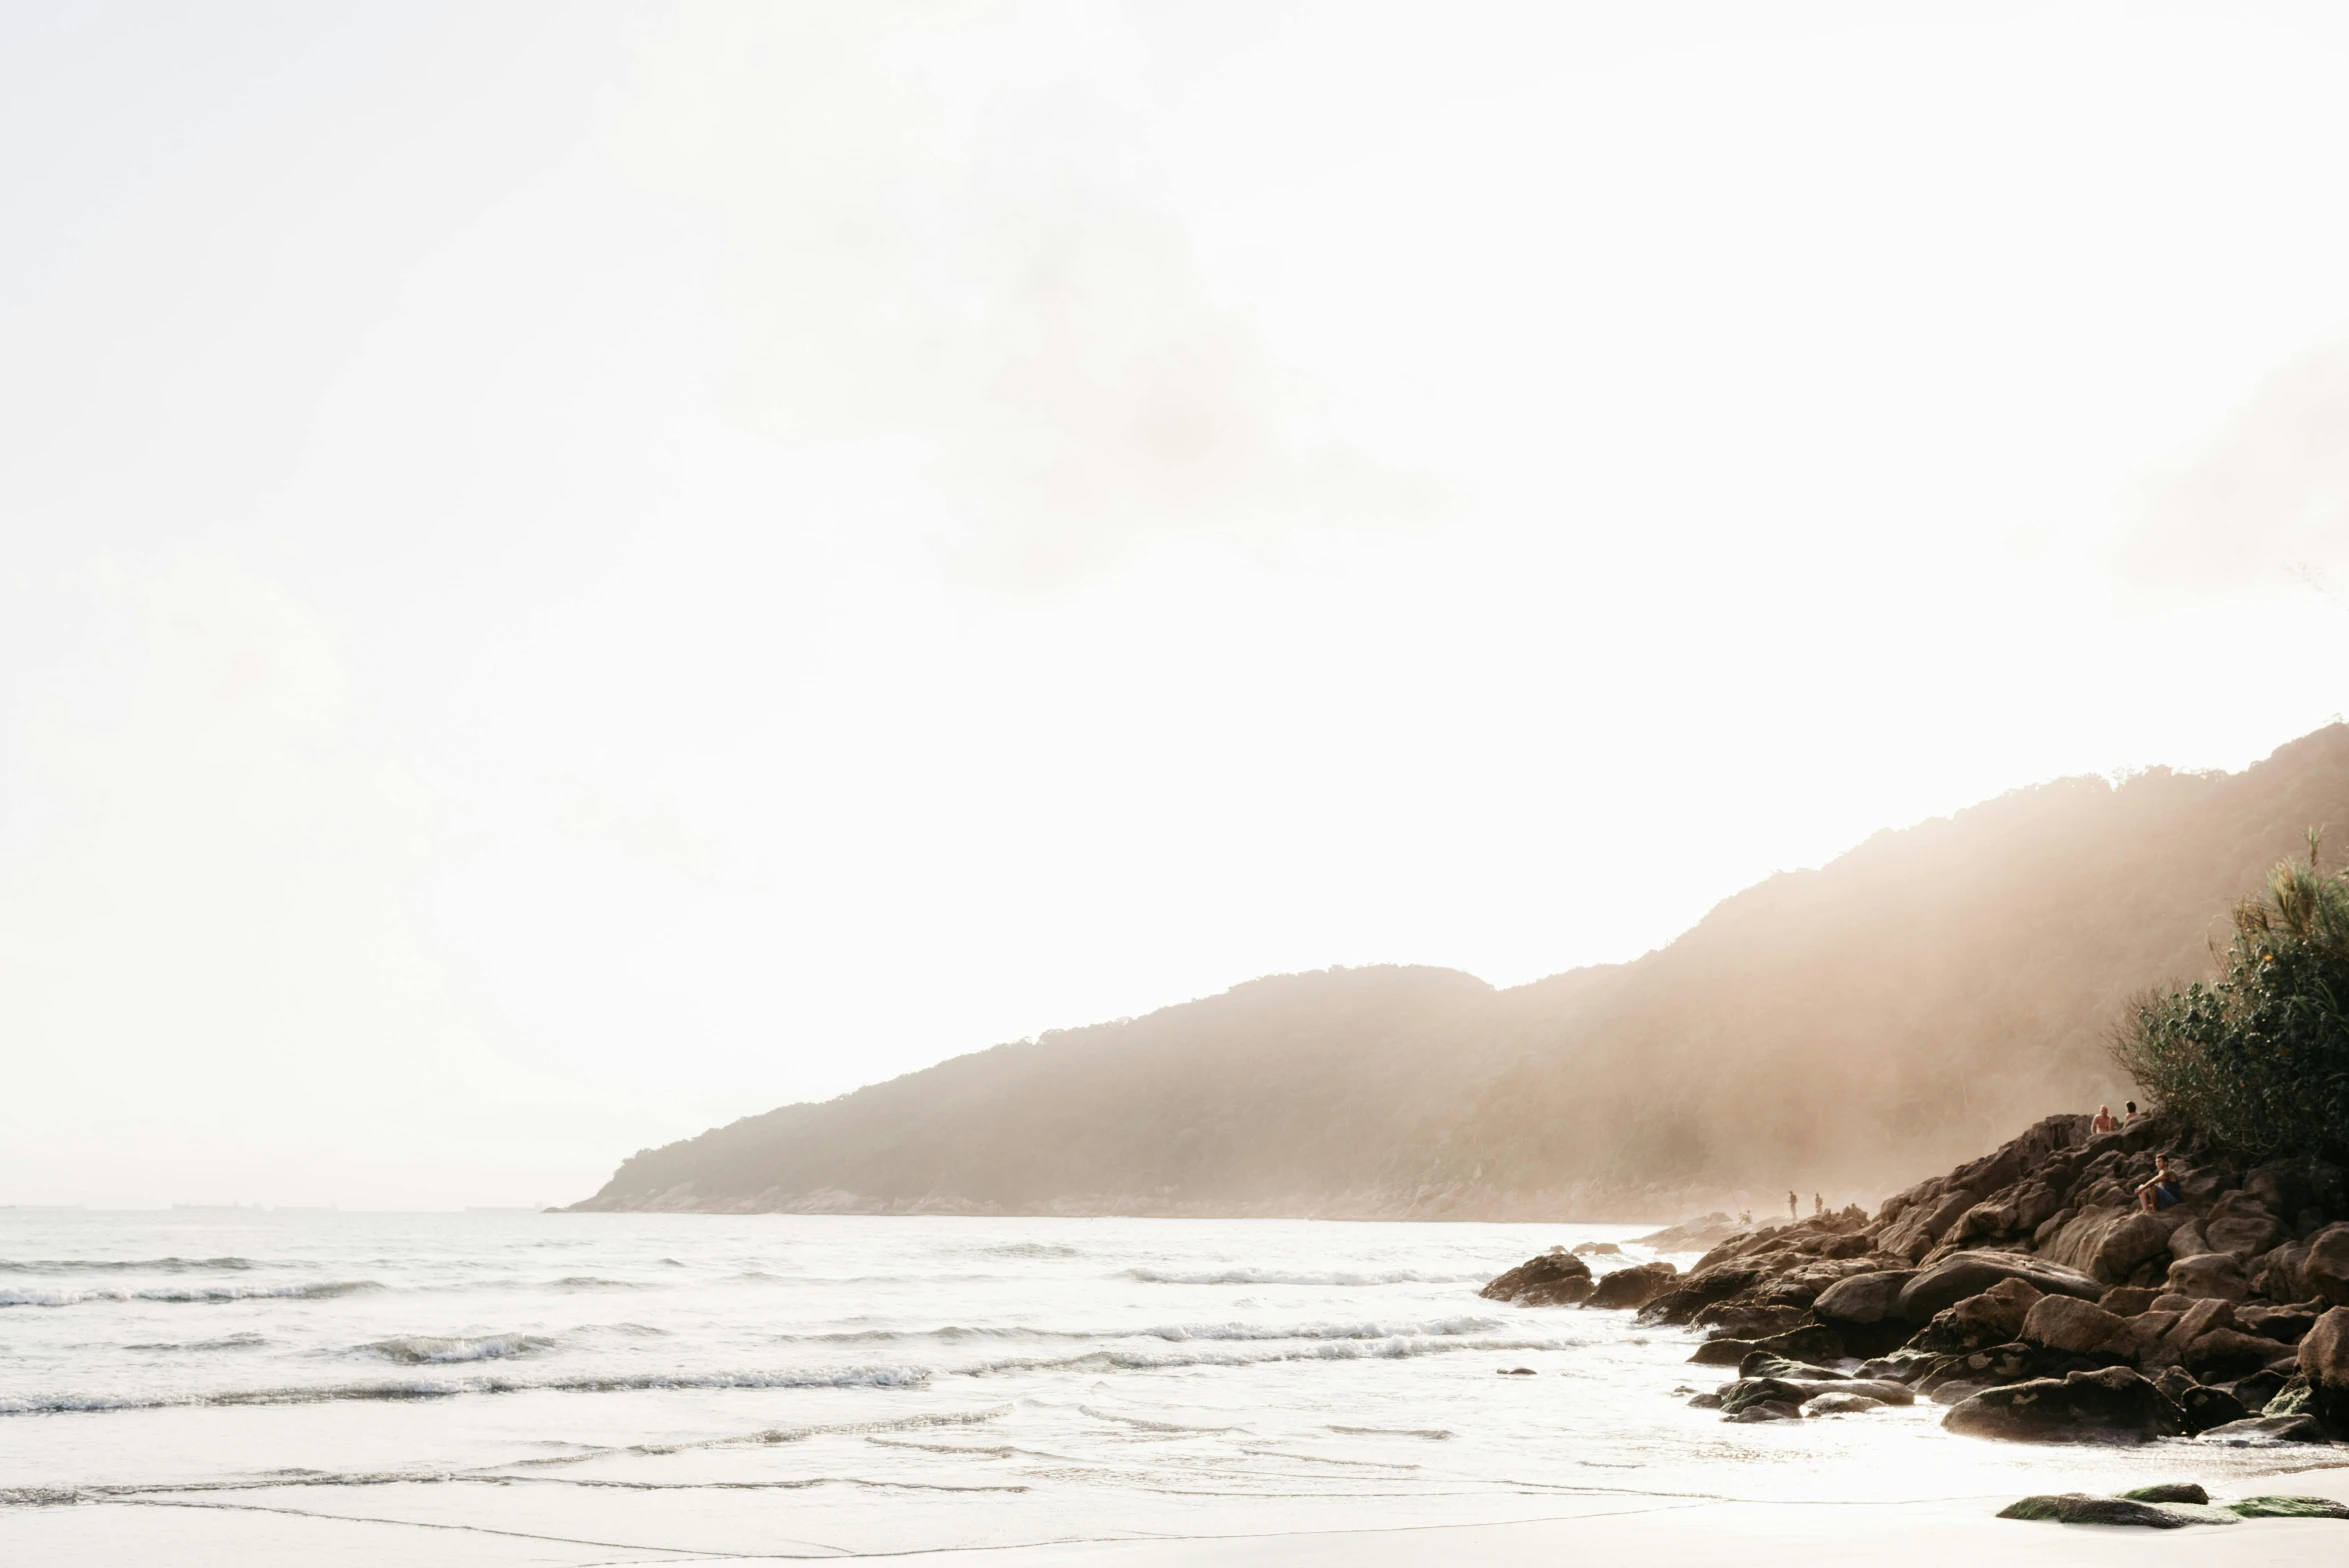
(577, 571)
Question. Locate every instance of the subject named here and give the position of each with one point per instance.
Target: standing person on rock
(1793, 1207)
(2105, 1121)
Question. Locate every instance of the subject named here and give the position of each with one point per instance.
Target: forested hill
(1837, 1030)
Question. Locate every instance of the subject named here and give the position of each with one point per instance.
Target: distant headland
(1832, 1030)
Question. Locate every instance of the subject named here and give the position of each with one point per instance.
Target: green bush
(2259, 1059)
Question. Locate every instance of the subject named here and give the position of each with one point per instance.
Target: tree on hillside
(2259, 1059)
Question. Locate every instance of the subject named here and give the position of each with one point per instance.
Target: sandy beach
(1672, 1531)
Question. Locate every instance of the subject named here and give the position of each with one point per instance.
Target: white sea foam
(1160, 1377)
(1345, 1279)
(428, 1349)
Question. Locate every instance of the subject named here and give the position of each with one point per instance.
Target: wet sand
(294, 1530)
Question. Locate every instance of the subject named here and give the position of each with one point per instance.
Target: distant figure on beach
(1818, 1205)
(2104, 1120)
(2162, 1191)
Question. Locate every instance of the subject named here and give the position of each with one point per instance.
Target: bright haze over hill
(576, 573)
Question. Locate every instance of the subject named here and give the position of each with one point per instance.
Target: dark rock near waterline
(2079, 1508)
(2225, 1353)
(1555, 1279)
(1632, 1287)
(1863, 1300)
(1840, 1404)
(2289, 1508)
(2106, 1406)
(1766, 1410)
(2206, 1408)
(1761, 1363)
(2168, 1492)
(2262, 1431)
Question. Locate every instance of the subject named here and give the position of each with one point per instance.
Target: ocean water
(816, 1385)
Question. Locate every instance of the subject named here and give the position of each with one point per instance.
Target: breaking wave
(132, 1265)
(955, 1333)
(1397, 1349)
(1277, 1277)
(323, 1291)
(431, 1350)
(846, 1377)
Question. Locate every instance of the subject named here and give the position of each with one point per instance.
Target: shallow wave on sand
(827, 1384)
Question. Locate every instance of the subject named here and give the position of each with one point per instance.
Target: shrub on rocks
(2259, 1061)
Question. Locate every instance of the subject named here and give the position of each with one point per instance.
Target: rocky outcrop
(2029, 1290)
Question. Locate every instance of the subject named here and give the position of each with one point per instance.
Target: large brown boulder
(2241, 1225)
(1700, 1288)
(1554, 1279)
(2225, 1354)
(1964, 1274)
(1632, 1287)
(2079, 1328)
(2324, 1362)
(2209, 1276)
(2109, 1243)
(1864, 1300)
(2285, 1325)
(2325, 1271)
(2110, 1405)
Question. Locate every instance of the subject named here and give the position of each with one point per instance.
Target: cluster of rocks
(2170, 1506)
(2032, 1294)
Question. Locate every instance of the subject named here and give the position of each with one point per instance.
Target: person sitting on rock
(2104, 1121)
(2161, 1192)
(2132, 1111)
